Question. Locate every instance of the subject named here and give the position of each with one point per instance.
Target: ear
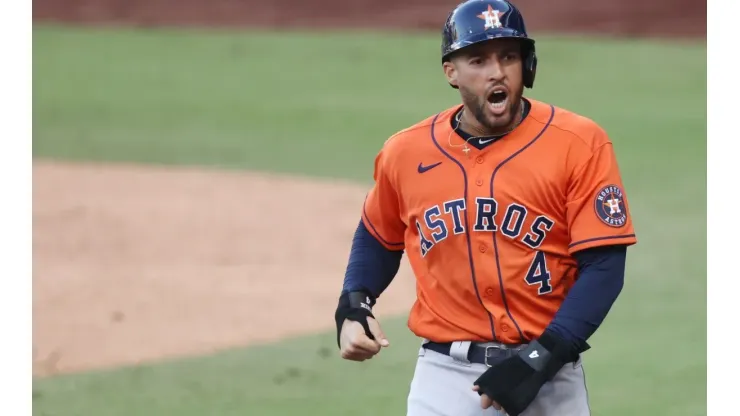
(450, 72)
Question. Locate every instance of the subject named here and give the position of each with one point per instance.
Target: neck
(471, 125)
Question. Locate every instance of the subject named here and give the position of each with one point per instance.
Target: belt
(488, 353)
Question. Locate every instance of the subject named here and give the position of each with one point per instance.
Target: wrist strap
(355, 306)
(361, 300)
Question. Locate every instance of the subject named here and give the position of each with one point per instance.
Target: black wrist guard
(355, 306)
(515, 382)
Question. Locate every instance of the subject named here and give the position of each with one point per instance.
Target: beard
(490, 124)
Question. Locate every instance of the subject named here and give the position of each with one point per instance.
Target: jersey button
(479, 159)
(482, 248)
(479, 182)
(504, 327)
(489, 291)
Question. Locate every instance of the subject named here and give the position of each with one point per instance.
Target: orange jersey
(489, 233)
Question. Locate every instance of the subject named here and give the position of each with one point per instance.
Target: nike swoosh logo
(485, 141)
(423, 169)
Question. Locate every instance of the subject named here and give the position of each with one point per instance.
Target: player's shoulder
(420, 132)
(572, 126)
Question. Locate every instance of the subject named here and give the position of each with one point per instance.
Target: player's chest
(486, 192)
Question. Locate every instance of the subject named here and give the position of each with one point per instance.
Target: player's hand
(515, 382)
(486, 402)
(356, 345)
(359, 336)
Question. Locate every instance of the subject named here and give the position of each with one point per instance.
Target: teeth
(498, 106)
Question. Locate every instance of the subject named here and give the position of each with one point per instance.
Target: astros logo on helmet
(502, 20)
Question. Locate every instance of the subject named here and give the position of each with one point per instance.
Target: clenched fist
(356, 345)
(359, 336)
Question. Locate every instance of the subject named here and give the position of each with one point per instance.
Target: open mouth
(497, 100)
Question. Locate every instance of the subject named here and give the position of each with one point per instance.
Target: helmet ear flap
(530, 68)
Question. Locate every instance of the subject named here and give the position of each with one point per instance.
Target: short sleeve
(381, 210)
(597, 207)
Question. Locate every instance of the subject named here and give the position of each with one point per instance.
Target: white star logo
(491, 17)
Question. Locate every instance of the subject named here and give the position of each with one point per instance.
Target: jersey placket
(482, 211)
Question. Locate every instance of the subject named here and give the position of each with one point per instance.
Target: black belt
(486, 353)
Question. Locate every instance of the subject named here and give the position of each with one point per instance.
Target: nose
(495, 70)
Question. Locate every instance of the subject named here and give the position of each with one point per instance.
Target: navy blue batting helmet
(476, 21)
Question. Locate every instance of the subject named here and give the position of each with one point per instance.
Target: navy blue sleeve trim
(600, 281)
(612, 237)
(371, 266)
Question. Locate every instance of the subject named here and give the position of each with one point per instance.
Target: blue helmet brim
(501, 33)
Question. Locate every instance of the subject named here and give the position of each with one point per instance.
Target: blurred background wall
(623, 17)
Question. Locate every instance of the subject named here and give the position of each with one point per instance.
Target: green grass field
(280, 102)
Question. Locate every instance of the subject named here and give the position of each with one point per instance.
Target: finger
(377, 332)
(360, 346)
(362, 342)
(352, 352)
(365, 345)
(356, 339)
(485, 401)
(356, 355)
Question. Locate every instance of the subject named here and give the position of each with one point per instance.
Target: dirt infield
(132, 264)
(685, 18)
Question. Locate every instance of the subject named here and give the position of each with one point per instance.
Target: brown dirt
(131, 264)
(624, 17)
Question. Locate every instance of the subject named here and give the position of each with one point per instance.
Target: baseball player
(515, 222)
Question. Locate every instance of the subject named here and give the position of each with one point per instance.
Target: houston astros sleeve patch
(598, 207)
(609, 206)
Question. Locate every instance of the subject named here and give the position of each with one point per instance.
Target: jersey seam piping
(377, 234)
(611, 237)
(566, 130)
(495, 244)
(467, 226)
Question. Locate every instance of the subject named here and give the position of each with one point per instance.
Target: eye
(475, 61)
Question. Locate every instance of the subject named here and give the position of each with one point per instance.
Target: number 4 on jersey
(538, 274)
